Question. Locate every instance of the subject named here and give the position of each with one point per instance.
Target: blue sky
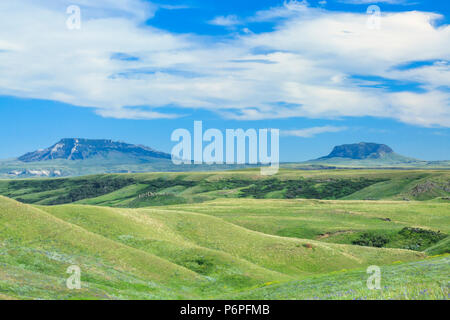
(137, 70)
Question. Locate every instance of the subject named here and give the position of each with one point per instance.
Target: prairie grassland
(327, 221)
(421, 280)
(154, 189)
(227, 235)
(170, 253)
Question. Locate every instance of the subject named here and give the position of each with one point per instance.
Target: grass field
(227, 235)
(331, 221)
(154, 189)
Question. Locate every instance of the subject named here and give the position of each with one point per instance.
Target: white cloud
(311, 132)
(225, 21)
(135, 114)
(421, 109)
(289, 9)
(173, 7)
(303, 68)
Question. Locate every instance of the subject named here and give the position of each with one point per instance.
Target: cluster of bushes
(90, 188)
(333, 189)
(157, 200)
(36, 185)
(307, 188)
(78, 189)
(224, 184)
(95, 188)
(407, 238)
(260, 188)
(157, 185)
(371, 240)
(419, 239)
(83, 188)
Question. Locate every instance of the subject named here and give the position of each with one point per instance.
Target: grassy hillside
(163, 253)
(421, 280)
(235, 234)
(284, 255)
(154, 189)
(442, 247)
(408, 225)
(37, 248)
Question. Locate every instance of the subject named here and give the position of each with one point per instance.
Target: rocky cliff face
(361, 150)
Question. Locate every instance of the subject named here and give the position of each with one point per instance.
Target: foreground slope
(289, 256)
(37, 248)
(421, 280)
(157, 253)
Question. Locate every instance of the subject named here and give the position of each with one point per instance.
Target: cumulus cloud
(225, 21)
(311, 132)
(313, 64)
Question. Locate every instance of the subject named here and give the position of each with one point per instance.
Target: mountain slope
(366, 154)
(76, 157)
(79, 157)
(81, 149)
(362, 150)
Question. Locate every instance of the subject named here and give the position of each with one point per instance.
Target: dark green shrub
(371, 240)
(419, 239)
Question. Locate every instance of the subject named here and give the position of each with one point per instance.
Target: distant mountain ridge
(81, 157)
(82, 149)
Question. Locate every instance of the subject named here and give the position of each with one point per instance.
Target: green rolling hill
(170, 253)
(153, 189)
(232, 235)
